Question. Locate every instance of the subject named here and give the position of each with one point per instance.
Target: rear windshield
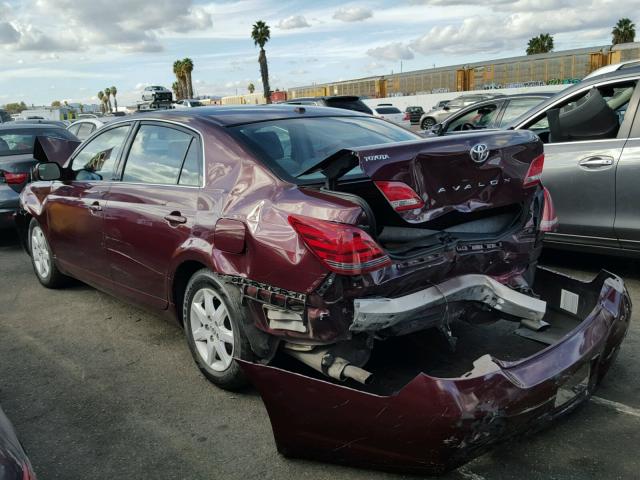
(19, 141)
(292, 146)
(348, 104)
(387, 110)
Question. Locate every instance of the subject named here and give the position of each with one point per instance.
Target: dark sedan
(16, 160)
(308, 235)
(14, 463)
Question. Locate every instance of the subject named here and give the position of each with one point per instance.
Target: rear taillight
(400, 195)
(549, 221)
(15, 178)
(343, 248)
(535, 172)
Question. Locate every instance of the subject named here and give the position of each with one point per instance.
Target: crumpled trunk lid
(474, 172)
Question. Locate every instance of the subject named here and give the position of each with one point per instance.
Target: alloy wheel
(40, 252)
(212, 329)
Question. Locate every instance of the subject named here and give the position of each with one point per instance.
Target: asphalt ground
(98, 389)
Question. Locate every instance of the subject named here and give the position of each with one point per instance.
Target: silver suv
(437, 115)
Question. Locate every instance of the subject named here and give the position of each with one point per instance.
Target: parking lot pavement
(99, 389)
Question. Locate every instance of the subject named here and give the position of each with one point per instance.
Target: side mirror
(48, 171)
(446, 108)
(437, 129)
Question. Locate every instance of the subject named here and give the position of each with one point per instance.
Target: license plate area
(573, 387)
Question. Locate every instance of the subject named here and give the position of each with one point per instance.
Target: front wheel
(213, 325)
(42, 258)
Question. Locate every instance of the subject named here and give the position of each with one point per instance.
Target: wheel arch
(179, 281)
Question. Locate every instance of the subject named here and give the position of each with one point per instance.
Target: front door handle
(596, 162)
(175, 217)
(95, 207)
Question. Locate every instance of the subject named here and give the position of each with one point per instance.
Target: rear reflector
(15, 178)
(549, 221)
(400, 195)
(343, 248)
(535, 172)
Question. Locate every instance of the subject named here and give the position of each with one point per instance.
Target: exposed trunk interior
(396, 361)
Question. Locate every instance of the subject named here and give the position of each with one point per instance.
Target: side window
(190, 173)
(480, 117)
(97, 159)
(85, 130)
(518, 107)
(594, 114)
(156, 156)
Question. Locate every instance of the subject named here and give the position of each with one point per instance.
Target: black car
(14, 463)
(16, 160)
(347, 102)
(493, 113)
(415, 113)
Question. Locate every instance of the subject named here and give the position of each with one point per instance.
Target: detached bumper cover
(436, 424)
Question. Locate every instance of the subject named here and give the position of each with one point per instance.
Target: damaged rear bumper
(432, 425)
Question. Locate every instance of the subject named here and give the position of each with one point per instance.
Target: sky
(71, 49)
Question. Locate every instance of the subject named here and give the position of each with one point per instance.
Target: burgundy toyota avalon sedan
(315, 234)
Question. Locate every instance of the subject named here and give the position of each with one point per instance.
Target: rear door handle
(596, 162)
(175, 217)
(95, 207)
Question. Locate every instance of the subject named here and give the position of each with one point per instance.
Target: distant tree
(66, 103)
(101, 98)
(187, 68)
(114, 90)
(261, 34)
(179, 73)
(176, 89)
(13, 108)
(543, 43)
(107, 94)
(55, 103)
(623, 32)
(251, 87)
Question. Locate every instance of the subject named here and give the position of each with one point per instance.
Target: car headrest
(269, 143)
(590, 119)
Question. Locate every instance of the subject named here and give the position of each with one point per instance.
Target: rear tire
(42, 258)
(427, 123)
(213, 324)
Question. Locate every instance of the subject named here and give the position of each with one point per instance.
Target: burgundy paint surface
(229, 235)
(436, 424)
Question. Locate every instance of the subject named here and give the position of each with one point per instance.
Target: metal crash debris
(431, 424)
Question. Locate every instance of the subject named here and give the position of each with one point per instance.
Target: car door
(151, 210)
(627, 221)
(581, 175)
(75, 206)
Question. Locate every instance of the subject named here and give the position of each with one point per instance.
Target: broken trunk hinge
(268, 294)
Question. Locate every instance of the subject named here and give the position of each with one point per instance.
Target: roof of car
(22, 125)
(226, 115)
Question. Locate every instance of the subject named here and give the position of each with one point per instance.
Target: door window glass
(594, 114)
(85, 130)
(156, 155)
(481, 117)
(97, 159)
(518, 107)
(190, 174)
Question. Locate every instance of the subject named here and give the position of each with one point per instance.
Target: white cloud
(294, 21)
(391, 52)
(352, 14)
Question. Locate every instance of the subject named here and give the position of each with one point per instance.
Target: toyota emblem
(479, 153)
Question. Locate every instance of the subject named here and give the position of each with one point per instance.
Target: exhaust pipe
(334, 367)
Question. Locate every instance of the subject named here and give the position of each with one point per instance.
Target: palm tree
(543, 43)
(107, 94)
(187, 68)
(101, 98)
(176, 89)
(251, 87)
(623, 32)
(261, 35)
(114, 90)
(177, 70)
